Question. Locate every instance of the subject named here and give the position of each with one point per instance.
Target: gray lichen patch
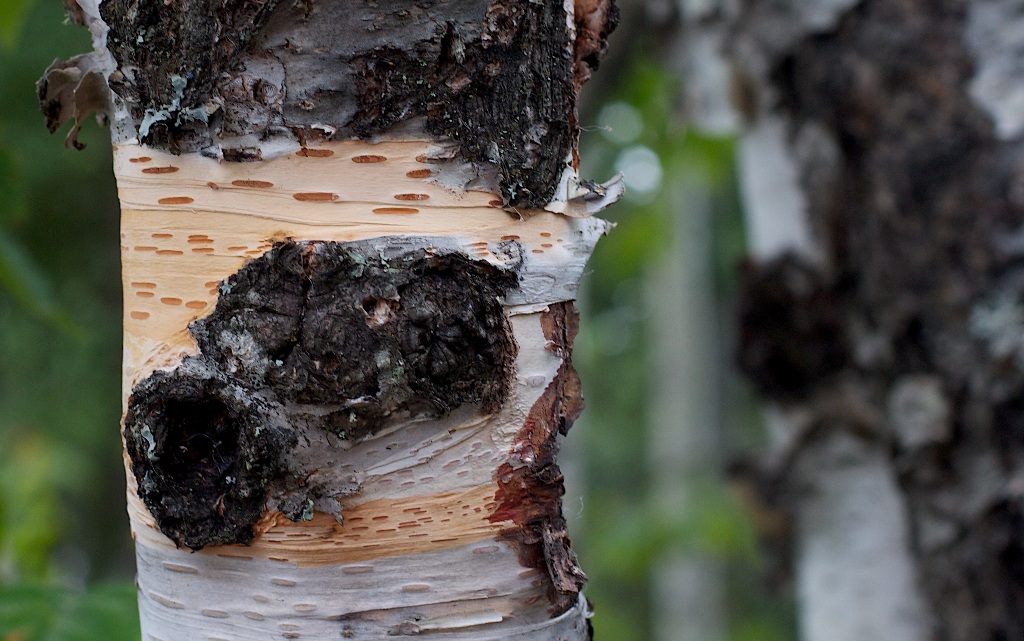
(314, 345)
(498, 77)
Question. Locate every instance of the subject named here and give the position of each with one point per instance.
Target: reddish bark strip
(531, 483)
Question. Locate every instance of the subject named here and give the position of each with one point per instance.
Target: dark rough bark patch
(505, 93)
(204, 451)
(526, 55)
(911, 216)
(500, 78)
(195, 41)
(792, 334)
(530, 483)
(311, 338)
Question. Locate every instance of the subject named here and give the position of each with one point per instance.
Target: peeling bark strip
(253, 70)
(530, 484)
(312, 345)
(898, 118)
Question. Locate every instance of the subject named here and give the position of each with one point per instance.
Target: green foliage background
(66, 560)
(65, 553)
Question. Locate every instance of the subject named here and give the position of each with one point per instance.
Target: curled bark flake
(73, 90)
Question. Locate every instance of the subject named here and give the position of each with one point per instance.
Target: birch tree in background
(351, 237)
(884, 310)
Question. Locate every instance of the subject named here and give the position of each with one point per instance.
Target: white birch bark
(418, 533)
(431, 558)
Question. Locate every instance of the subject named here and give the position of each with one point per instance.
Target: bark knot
(313, 342)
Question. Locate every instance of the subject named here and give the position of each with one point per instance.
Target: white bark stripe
(187, 597)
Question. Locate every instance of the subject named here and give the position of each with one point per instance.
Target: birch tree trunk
(351, 237)
(883, 318)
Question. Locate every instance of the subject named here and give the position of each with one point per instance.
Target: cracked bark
(881, 168)
(351, 236)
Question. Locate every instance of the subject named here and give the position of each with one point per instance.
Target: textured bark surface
(311, 345)
(346, 365)
(500, 77)
(308, 410)
(904, 330)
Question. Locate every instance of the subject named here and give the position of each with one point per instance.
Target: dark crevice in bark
(311, 338)
(499, 77)
(908, 218)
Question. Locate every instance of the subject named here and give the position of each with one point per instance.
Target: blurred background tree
(671, 555)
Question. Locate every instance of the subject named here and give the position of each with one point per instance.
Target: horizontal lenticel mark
(396, 210)
(315, 196)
